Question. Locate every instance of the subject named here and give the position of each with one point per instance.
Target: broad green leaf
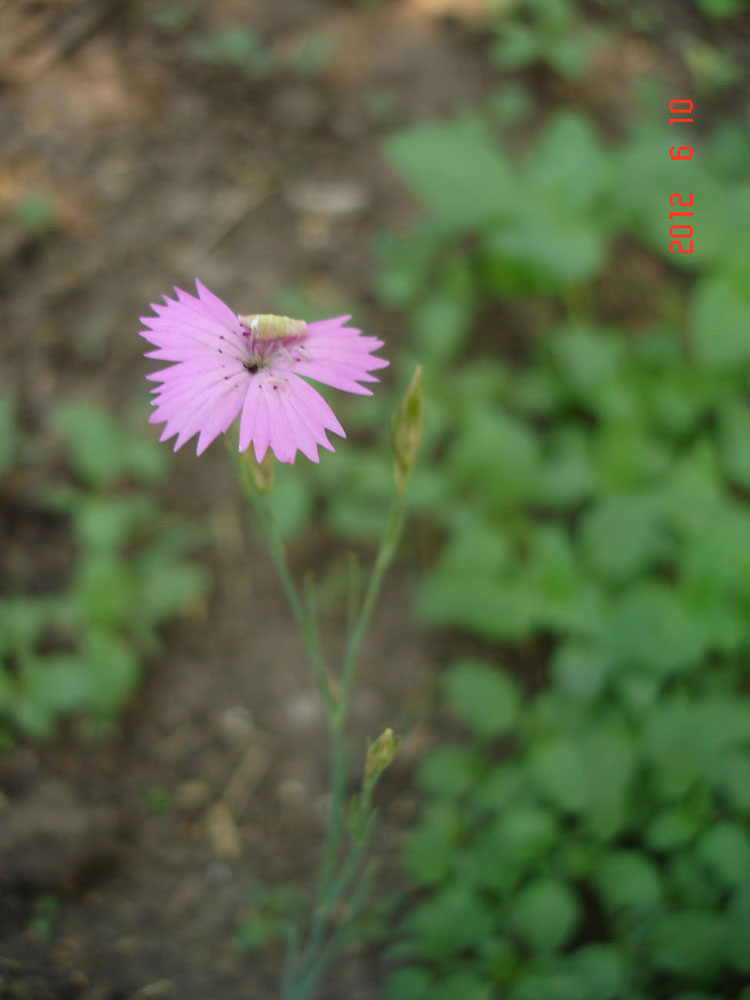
(734, 440)
(566, 477)
(58, 683)
(558, 768)
(736, 932)
(545, 913)
(467, 984)
(649, 629)
(494, 452)
(675, 827)
(107, 522)
(486, 698)
(95, 442)
(689, 942)
(542, 250)
(610, 766)
(628, 881)
(512, 846)
(449, 771)
(409, 984)
(725, 850)
(456, 171)
(479, 604)
(690, 882)
(499, 958)
(600, 971)
(429, 851)
(112, 672)
(719, 324)
(451, 921)
(168, 589)
(568, 164)
(622, 536)
(580, 670)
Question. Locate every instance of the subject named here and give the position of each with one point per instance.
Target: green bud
(407, 428)
(380, 753)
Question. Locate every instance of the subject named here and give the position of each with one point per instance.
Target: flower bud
(380, 753)
(407, 428)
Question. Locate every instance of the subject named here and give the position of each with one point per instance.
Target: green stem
(304, 621)
(337, 720)
(331, 887)
(383, 559)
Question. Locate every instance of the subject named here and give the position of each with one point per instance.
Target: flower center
(266, 326)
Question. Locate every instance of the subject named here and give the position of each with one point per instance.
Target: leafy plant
(547, 31)
(79, 648)
(593, 495)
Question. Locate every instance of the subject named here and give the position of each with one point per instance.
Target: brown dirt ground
(162, 167)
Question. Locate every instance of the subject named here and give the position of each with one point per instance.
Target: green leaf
(566, 477)
(720, 8)
(448, 923)
(580, 670)
(545, 914)
(558, 768)
(674, 827)
(610, 766)
(429, 851)
(650, 629)
(734, 440)
(479, 604)
(440, 324)
(499, 958)
(736, 931)
(628, 881)
(409, 984)
(112, 671)
(542, 250)
(567, 163)
(487, 699)
(465, 984)
(516, 48)
(107, 522)
(449, 771)
(513, 845)
(57, 684)
(455, 170)
(599, 971)
(725, 850)
(95, 443)
(689, 943)
(168, 588)
(719, 323)
(690, 882)
(496, 452)
(622, 536)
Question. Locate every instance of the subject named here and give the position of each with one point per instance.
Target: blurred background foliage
(72, 638)
(590, 838)
(582, 497)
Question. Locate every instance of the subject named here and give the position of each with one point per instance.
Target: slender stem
(305, 622)
(339, 770)
(383, 559)
(331, 886)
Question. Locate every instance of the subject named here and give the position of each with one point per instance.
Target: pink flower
(228, 366)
